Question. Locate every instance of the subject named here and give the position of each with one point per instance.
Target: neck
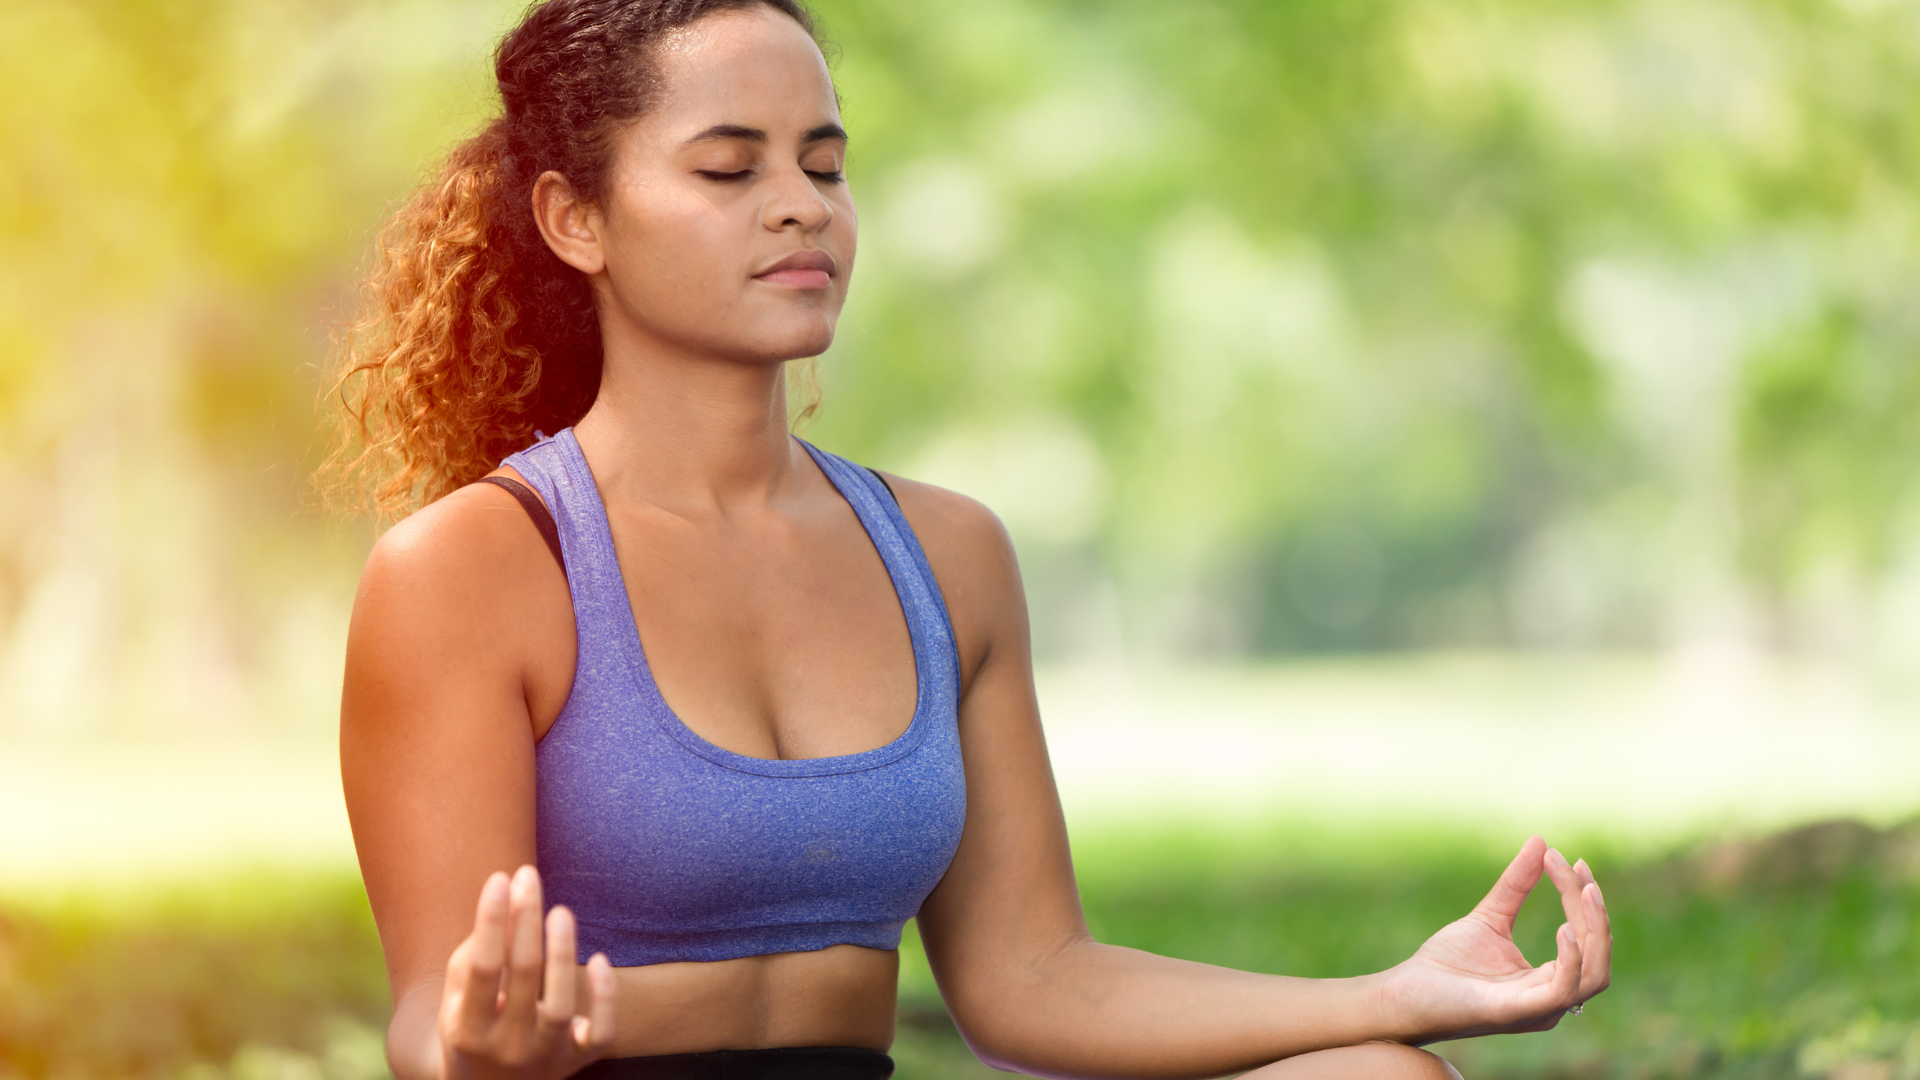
(688, 433)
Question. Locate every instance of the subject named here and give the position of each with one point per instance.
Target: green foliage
(1427, 284)
(1790, 955)
(1285, 326)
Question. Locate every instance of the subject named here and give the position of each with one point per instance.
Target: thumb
(1566, 971)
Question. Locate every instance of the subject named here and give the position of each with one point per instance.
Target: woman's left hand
(1470, 979)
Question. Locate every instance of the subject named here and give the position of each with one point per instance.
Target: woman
(748, 707)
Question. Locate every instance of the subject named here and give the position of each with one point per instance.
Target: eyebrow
(755, 135)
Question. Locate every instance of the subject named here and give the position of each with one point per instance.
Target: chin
(797, 342)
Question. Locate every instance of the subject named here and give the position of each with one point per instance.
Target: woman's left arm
(1032, 991)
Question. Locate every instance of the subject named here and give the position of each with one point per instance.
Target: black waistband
(785, 1063)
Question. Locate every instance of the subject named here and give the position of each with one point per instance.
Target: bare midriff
(838, 996)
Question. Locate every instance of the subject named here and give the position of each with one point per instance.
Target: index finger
(1568, 880)
(1502, 904)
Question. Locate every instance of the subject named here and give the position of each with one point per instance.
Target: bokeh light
(1484, 414)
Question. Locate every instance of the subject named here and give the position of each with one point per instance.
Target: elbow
(413, 1035)
(1013, 1022)
(1029, 1053)
(984, 1013)
(996, 1048)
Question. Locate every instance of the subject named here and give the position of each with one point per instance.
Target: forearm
(1092, 1010)
(413, 1036)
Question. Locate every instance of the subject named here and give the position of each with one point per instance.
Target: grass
(247, 971)
(1787, 955)
(1783, 956)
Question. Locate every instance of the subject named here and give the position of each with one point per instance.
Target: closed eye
(725, 177)
(834, 177)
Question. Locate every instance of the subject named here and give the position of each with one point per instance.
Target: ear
(569, 223)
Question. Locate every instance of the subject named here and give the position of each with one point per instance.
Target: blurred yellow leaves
(1582, 324)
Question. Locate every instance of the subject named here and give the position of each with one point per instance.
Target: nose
(793, 202)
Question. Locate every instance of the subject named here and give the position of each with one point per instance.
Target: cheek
(844, 238)
(670, 248)
(849, 221)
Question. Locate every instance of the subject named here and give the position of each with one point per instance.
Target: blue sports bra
(670, 848)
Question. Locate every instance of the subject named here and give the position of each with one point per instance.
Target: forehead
(753, 65)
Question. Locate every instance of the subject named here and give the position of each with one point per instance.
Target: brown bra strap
(537, 510)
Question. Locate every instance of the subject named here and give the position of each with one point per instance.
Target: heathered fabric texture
(670, 848)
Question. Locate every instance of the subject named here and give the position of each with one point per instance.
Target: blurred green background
(1463, 401)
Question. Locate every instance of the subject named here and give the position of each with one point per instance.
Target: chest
(776, 637)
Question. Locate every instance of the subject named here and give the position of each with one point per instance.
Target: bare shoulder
(474, 534)
(466, 572)
(973, 560)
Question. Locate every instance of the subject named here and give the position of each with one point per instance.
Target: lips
(809, 268)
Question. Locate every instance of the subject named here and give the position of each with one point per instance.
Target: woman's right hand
(507, 1010)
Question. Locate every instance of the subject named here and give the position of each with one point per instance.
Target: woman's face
(725, 229)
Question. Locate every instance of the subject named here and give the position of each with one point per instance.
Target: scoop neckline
(640, 669)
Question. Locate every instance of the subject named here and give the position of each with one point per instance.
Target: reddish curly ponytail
(471, 333)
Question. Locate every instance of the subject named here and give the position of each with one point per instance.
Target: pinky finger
(593, 1033)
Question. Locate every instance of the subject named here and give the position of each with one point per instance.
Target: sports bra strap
(537, 510)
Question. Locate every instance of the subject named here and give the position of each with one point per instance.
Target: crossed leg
(1368, 1061)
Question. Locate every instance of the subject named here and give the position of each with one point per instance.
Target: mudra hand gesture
(1470, 979)
(509, 1011)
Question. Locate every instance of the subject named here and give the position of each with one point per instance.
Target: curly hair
(471, 334)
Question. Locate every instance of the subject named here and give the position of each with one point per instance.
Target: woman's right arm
(462, 634)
